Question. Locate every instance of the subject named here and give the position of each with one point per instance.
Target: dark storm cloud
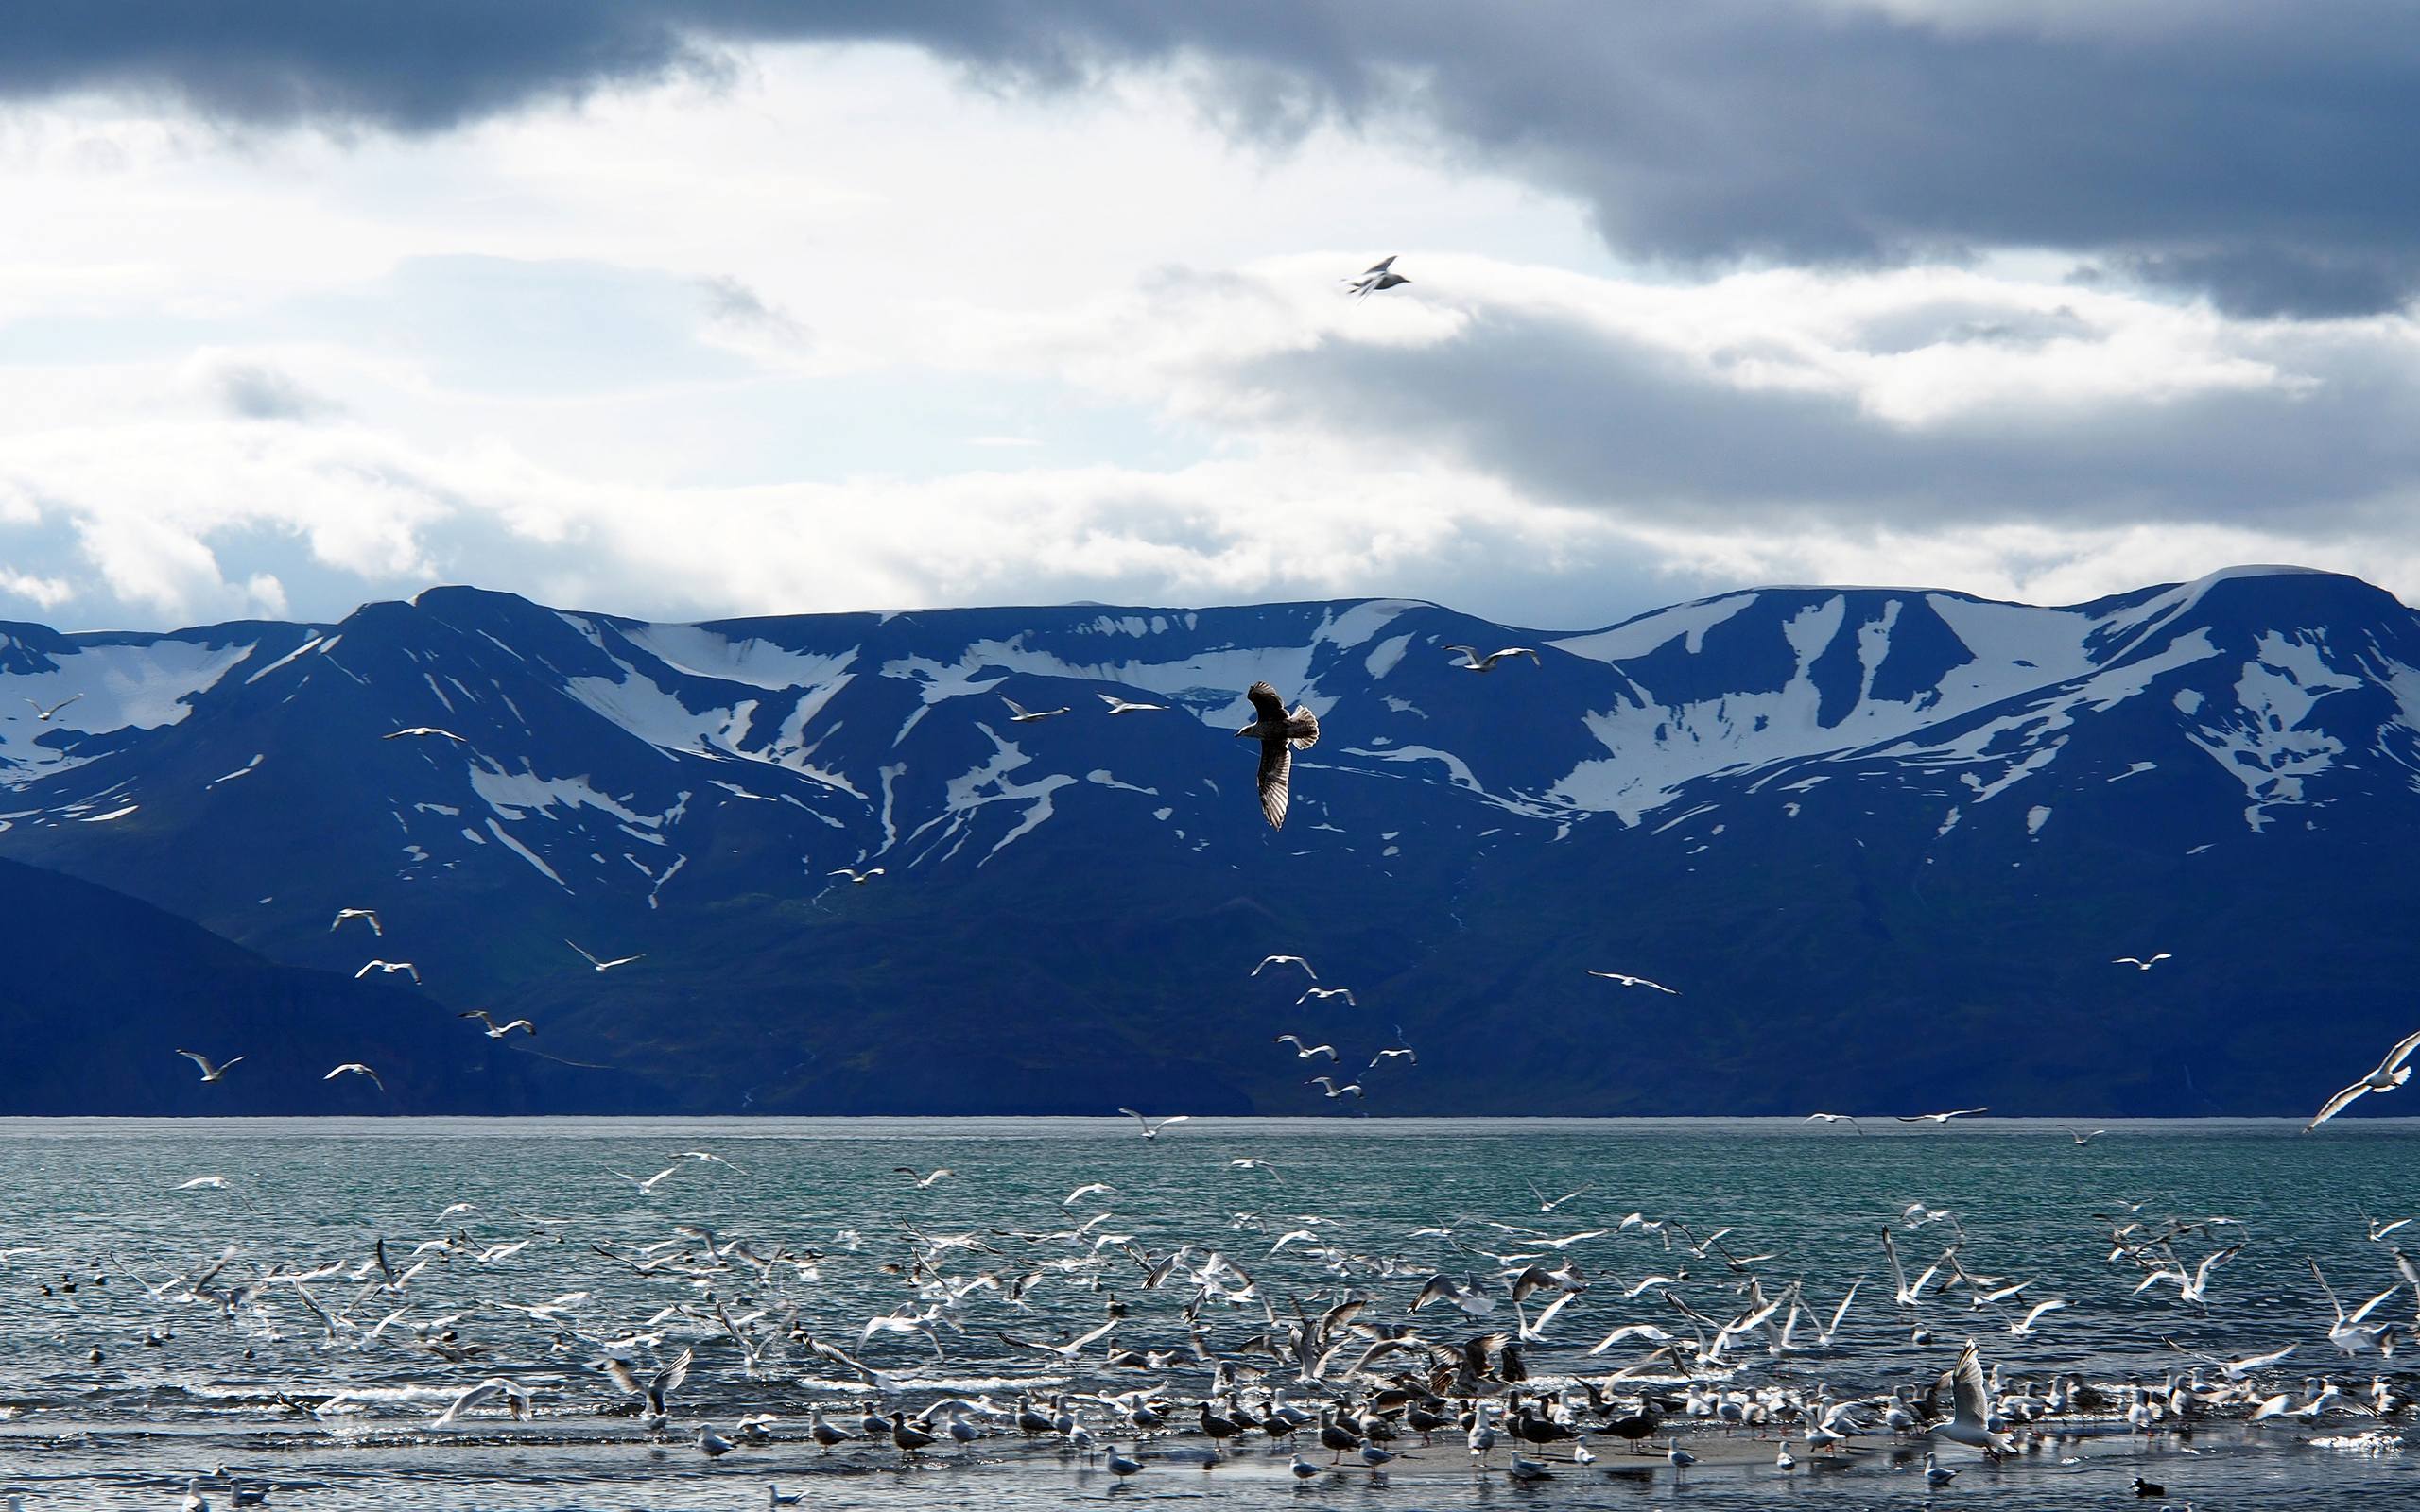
(1596, 420)
(2256, 151)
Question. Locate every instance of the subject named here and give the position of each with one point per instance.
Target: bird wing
(1302, 728)
(1898, 1277)
(2337, 1104)
(583, 954)
(1276, 768)
(196, 1060)
(1016, 709)
(2401, 1053)
(1967, 1393)
(1265, 702)
(1382, 264)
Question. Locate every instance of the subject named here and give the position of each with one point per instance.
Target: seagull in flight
(1626, 980)
(1328, 1087)
(1087, 1190)
(388, 969)
(495, 1030)
(203, 1183)
(1473, 662)
(1377, 277)
(860, 878)
(607, 966)
(44, 714)
(1303, 1051)
(209, 1072)
(1324, 993)
(1834, 1118)
(647, 1185)
(1549, 1205)
(1151, 1130)
(1019, 714)
(425, 733)
(1405, 1053)
(2141, 963)
(921, 1181)
(1286, 960)
(2084, 1135)
(2391, 1073)
(370, 915)
(1281, 735)
(1121, 706)
(357, 1069)
(1942, 1118)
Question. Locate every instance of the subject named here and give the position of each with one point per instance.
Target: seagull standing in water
(1281, 735)
(2391, 1073)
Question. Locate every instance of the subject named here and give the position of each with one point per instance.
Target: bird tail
(1302, 727)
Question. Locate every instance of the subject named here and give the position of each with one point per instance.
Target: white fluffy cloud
(851, 335)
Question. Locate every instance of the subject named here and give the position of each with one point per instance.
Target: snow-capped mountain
(1885, 842)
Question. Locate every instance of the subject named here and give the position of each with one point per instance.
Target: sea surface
(274, 1370)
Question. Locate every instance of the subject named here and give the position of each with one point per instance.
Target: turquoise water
(250, 1377)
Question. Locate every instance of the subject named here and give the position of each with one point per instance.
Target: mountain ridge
(1086, 884)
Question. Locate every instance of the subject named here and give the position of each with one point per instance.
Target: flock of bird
(1167, 1340)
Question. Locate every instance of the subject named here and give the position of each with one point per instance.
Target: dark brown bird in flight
(1281, 735)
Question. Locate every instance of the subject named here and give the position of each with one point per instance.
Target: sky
(704, 308)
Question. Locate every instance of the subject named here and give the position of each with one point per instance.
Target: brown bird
(1281, 735)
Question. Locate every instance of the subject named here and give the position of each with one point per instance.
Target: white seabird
(1121, 706)
(607, 966)
(1473, 662)
(357, 1069)
(1019, 714)
(388, 968)
(1151, 1130)
(2391, 1073)
(209, 1072)
(369, 916)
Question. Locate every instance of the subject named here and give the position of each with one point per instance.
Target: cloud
(256, 391)
(2254, 152)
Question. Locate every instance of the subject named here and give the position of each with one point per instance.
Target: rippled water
(85, 1200)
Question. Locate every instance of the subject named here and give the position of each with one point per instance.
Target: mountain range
(1884, 845)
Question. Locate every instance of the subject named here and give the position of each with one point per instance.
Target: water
(85, 1199)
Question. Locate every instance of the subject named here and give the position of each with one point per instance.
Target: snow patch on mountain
(702, 652)
(1656, 629)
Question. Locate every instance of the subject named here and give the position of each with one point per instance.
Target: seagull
(495, 1030)
(1405, 1054)
(1120, 706)
(648, 1185)
(1942, 1118)
(1250, 1163)
(1151, 1130)
(1970, 1421)
(1834, 1118)
(1473, 662)
(1303, 1051)
(2084, 1135)
(921, 1181)
(607, 966)
(356, 1067)
(1380, 275)
(368, 914)
(1281, 735)
(2392, 1073)
(388, 968)
(2023, 1328)
(201, 1183)
(209, 1072)
(1328, 1085)
(2139, 963)
(1549, 1205)
(860, 878)
(1121, 1464)
(44, 714)
(1286, 960)
(425, 733)
(1084, 1191)
(1324, 993)
(1019, 714)
(1626, 980)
